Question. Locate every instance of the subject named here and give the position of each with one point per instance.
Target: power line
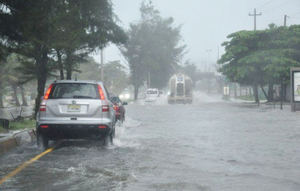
(294, 17)
(272, 8)
(268, 2)
(297, 13)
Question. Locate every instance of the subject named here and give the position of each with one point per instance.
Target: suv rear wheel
(42, 141)
(108, 139)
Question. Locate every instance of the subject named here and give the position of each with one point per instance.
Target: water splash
(124, 137)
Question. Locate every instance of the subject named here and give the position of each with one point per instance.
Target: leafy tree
(153, 48)
(115, 77)
(191, 70)
(39, 29)
(242, 44)
(262, 57)
(89, 70)
(82, 27)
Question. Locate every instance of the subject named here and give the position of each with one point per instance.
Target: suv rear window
(74, 90)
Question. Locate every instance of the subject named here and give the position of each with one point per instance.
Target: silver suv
(75, 110)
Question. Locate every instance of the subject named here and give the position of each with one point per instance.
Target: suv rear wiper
(79, 96)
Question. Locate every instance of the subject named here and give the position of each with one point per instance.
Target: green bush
(23, 124)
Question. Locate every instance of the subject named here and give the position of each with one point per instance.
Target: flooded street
(209, 145)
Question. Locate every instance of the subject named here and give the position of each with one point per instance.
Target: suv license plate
(73, 108)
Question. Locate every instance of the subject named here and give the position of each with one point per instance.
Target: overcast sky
(206, 23)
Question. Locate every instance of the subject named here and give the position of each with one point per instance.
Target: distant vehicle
(180, 89)
(126, 95)
(151, 95)
(75, 109)
(119, 108)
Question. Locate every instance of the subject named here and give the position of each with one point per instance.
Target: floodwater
(209, 145)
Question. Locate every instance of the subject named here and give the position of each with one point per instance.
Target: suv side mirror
(124, 103)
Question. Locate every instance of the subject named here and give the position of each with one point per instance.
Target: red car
(119, 108)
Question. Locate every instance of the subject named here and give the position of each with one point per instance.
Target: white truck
(151, 95)
(180, 89)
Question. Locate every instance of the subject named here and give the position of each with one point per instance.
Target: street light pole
(281, 79)
(285, 18)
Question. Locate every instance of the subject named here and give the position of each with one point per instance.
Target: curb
(17, 139)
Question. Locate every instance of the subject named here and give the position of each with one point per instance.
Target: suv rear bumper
(73, 131)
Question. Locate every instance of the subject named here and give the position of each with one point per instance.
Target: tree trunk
(41, 64)
(284, 86)
(60, 65)
(240, 88)
(270, 92)
(1, 99)
(24, 101)
(1, 95)
(136, 92)
(69, 63)
(265, 94)
(235, 91)
(15, 95)
(281, 93)
(255, 91)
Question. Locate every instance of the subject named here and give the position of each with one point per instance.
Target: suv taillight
(105, 108)
(48, 92)
(101, 93)
(43, 106)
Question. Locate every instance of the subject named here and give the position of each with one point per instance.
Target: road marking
(24, 165)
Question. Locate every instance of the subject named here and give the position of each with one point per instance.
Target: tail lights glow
(48, 92)
(116, 108)
(44, 126)
(102, 127)
(42, 107)
(105, 108)
(101, 93)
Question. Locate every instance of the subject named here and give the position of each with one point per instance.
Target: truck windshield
(152, 92)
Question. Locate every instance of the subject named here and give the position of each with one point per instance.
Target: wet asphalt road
(205, 146)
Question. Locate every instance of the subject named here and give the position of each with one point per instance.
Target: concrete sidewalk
(13, 139)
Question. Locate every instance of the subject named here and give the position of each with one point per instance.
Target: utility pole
(102, 64)
(255, 15)
(255, 86)
(149, 80)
